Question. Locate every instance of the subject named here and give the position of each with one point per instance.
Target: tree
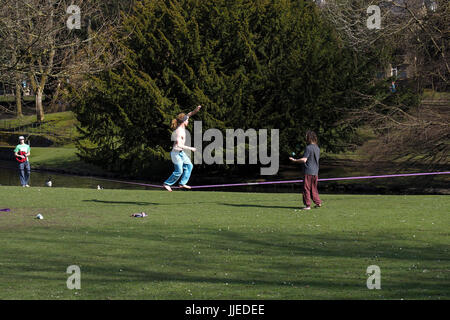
(43, 47)
(264, 64)
(10, 54)
(414, 33)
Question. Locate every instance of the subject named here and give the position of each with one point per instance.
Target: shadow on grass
(169, 203)
(138, 203)
(258, 206)
(143, 203)
(333, 263)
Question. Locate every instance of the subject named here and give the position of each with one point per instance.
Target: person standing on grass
(311, 160)
(183, 165)
(22, 152)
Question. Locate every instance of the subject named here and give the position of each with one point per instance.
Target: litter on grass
(139, 215)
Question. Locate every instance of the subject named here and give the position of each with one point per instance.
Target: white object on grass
(139, 215)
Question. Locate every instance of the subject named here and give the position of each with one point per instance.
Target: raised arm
(190, 114)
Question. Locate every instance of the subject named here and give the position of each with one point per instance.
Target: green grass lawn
(12, 98)
(56, 120)
(430, 94)
(61, 159)
(219, 245)
(59, 127)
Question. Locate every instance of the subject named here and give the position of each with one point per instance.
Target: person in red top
(22, 152)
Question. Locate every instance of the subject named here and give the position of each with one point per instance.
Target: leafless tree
(419, 133)
(39, 44)
(10, 55)
(418, 28)
(417, 32)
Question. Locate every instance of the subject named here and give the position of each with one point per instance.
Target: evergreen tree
(251, 64)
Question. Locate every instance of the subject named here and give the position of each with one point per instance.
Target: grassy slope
(215, 245)
(61, 159)
(430, 94)
(59, 122)
(62, 127)
(58, 127)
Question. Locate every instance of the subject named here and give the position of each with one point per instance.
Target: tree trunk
(54, 104)
(39, 106)
(18, 99)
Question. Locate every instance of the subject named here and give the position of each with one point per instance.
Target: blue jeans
(24, 172)
(183, 168)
